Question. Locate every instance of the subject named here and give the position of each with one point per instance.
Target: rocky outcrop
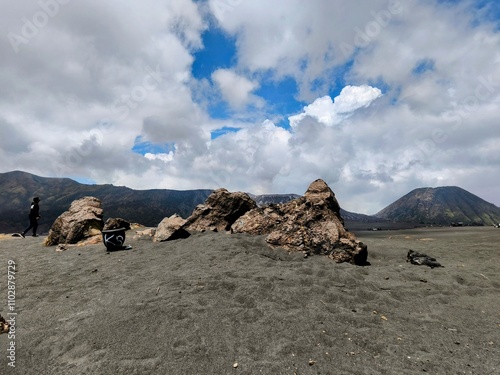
(171, 228)
(220, 211)
(311, 223)
(81, 221)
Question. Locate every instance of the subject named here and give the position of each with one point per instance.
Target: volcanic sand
(228, 304)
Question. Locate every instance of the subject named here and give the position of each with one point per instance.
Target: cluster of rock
(82, 224)
(311, 223)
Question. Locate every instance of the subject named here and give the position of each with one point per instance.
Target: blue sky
(220, 52)
(377, 97)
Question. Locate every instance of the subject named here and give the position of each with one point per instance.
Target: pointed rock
(319, 194)
(310, 223)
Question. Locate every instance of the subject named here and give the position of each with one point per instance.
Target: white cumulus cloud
(235, 89)
(333, 112)
(77, 91)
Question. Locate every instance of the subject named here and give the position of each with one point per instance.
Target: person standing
(34, 215)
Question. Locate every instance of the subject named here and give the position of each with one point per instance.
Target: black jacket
(34, 210)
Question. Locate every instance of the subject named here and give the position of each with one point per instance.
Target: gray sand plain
(228, 304)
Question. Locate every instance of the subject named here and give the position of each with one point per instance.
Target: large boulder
(311, 223)
(171, 228)
(220, 211)
(81, 221)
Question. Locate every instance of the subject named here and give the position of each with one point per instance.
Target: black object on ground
(422, 259)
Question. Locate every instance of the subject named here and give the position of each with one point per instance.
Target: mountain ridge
(441, 205)
(149, 207)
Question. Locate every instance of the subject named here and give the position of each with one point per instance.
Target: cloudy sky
(377, 97)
